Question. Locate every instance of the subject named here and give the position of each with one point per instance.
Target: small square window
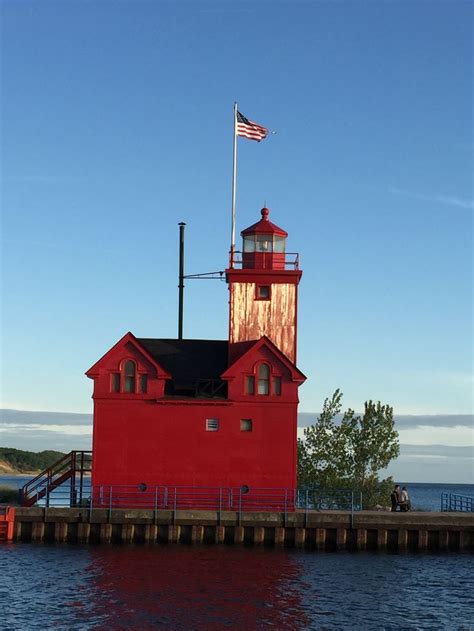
(250, 385)
(263, 292)
(115, 382)
(246, 425)
(212, 425)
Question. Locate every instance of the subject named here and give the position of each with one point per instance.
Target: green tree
(351, 453)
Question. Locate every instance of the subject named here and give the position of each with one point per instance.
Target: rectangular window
(115, 382)
(277, 386)
(250, 385)
(246, 425)
(143, 383)
(263, 292)
(263, 386)
(212, 425)
(129, 384)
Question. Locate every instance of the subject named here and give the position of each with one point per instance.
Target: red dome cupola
(264, 245)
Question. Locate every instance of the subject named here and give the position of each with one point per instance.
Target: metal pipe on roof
(181, 280)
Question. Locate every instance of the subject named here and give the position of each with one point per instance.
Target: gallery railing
(174, 498)
(459, 503)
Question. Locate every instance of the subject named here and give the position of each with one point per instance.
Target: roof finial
(265, 212)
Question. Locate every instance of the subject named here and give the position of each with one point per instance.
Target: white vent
(212, 424)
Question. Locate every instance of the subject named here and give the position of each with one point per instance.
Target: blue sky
(117, 124)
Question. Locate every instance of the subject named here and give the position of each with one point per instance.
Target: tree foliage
(349, 453)
(23, 461)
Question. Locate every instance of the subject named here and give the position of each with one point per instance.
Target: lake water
(424, 496)
(177, 587)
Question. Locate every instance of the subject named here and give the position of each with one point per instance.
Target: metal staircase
(72, 468)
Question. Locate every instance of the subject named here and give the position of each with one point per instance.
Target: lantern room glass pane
(279, 244)
(264, 243)
(249, 244)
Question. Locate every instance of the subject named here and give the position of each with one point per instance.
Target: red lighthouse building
(209, 413)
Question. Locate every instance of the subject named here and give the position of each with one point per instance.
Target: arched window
(263, 379)
(129, 376)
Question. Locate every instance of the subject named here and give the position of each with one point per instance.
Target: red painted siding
(167, 444)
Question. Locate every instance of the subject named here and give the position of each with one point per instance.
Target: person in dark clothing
(405, 503)
(395, 497)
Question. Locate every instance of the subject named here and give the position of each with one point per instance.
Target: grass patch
(8, 495)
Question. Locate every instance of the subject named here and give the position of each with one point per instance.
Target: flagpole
(234, 182)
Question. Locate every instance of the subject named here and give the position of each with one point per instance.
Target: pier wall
(324, 530)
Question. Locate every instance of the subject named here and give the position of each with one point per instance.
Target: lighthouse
(263, 292)
(207, 414)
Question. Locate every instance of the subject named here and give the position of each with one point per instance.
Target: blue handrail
(240, 499)
(454, 502)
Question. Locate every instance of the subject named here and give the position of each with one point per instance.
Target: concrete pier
(322, 530)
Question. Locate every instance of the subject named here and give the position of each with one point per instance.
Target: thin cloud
(449, 200)
(409, 421)
(70, 430)
(44, 418)
(438, 451)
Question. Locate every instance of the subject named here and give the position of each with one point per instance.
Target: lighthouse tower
(264, 290)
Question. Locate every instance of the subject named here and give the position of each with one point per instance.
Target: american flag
(249, 129)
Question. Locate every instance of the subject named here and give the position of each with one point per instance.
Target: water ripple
(213, 588)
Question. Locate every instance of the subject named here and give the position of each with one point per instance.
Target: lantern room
(264, 245)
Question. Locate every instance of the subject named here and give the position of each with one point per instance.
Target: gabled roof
(296, 374)
(188, 361)
(129, 338)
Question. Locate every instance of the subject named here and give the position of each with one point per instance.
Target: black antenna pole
(181, 280)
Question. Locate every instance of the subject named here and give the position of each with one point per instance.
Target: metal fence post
(110, 504)
(174, 506)
(220, 507)
(90, 504)
(240, 506)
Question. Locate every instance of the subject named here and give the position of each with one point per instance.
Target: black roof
(188, 361)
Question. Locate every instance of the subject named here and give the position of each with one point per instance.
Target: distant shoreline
(18, 474)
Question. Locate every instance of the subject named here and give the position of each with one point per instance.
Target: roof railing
(290, 260)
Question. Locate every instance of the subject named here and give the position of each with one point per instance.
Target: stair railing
(63, 469)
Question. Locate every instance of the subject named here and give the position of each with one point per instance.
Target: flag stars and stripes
(249, 129)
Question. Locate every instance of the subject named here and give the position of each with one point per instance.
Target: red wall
(167, 444)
